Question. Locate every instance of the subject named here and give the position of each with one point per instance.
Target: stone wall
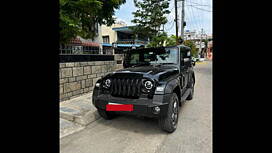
(77, 78)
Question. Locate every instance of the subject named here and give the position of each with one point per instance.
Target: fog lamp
(157, 110)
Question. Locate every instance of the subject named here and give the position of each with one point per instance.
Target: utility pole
(176, 19)
(182, 19)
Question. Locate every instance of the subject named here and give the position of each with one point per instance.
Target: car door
(184, 70)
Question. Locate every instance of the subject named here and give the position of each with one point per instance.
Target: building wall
(209, 50)
(107, 31)
(97, 39)
(77, 78)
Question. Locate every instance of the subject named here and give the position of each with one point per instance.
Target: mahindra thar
(154, 83)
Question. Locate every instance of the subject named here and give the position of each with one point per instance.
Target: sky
(198, 14)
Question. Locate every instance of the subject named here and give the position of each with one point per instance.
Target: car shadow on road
(134, 124)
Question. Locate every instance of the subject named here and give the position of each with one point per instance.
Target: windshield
(154, 56)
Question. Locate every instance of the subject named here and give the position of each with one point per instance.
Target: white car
(202, 59)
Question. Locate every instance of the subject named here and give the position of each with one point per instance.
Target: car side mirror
(187, 62)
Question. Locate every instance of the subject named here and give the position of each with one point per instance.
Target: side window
(181, 57)
(134, 59)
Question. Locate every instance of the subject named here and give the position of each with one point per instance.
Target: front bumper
(141, 106)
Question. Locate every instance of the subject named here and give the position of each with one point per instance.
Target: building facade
(84, 46)
(119, 37)
(197, 37)
(210, 50)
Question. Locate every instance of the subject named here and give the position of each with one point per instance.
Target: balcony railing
(131, 41)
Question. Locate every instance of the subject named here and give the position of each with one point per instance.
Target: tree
(80, 17)
(192, 45)
(171, 41)
(158, 41)
(150, 16)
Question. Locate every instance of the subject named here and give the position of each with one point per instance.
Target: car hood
(159, 72)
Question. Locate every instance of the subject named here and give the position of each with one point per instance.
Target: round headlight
(108, 83)
(148, 85)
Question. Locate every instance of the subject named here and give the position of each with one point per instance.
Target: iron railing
(131, 41)
(78, 50)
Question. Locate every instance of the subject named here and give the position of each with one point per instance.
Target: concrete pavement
(76, 114)
(129, 134)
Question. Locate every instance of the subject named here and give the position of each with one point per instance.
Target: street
(129, 134)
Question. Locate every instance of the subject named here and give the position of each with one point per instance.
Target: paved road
(128, 134)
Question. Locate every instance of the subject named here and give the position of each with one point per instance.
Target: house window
(106, 39)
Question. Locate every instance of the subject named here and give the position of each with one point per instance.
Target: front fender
(96, 91)
(171, 85)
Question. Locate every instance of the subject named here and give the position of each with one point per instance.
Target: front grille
(126, 87)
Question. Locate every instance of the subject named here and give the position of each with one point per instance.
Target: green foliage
(192, 45)
(150, 16)
(79, 17)
(171, 41)
(158, 41)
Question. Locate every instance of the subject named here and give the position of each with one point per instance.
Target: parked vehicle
(154, 83)
(202, 59)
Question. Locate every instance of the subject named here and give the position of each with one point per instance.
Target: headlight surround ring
(148, 84)
(107, 83)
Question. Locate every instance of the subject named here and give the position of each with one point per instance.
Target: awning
(75, 41)
(106, 45)
(128, 45)
(126, 29)
(122, 45)
(78, 42)
(92, 44)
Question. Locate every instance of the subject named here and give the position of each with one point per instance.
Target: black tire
(106, 114)
(191, 95)
(169, 122)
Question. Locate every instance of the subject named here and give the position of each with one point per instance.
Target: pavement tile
(69, 110)
(77, 111)
(68, 127)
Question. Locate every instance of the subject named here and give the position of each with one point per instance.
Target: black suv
(154, 81)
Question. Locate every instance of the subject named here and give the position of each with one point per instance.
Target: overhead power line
(201, 9)
(198, 4)
(196, 17)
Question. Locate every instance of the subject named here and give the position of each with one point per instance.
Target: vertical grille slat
(126, 87)
(115, 87)
(139, 88)
(123, 86)
(119, 89)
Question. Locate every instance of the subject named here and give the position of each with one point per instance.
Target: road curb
(68, 127)
(76, 114)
